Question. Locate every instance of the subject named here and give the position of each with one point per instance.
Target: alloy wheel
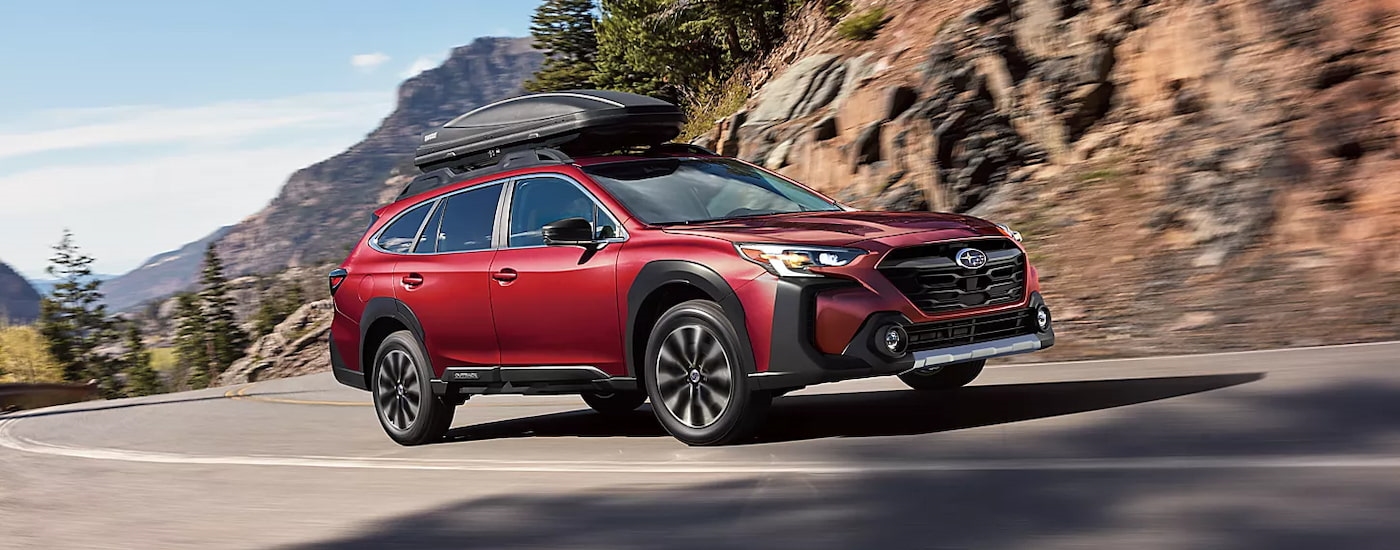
(399, 397)
(693, 374)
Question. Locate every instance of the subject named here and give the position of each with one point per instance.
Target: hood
(838, 228)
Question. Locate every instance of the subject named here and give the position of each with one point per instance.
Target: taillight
(336, 277)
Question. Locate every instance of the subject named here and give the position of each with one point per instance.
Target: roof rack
(447, 175)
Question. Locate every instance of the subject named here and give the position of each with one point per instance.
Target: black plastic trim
(659, 273)
(343, 374)
(387, 308)
(458, 381)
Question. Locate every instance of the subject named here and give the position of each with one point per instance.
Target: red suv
(700, 282)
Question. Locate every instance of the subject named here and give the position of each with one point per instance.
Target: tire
(949, 377)
(403, 397)
(616, 402)
(696, 379)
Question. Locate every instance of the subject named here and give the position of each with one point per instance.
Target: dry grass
(712, 103)
(24, 356)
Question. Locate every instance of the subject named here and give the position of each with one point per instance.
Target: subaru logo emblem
(970, 258)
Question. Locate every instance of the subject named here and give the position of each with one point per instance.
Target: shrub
(711, 103)
(834, 10)
(25, 357)
(864, 25)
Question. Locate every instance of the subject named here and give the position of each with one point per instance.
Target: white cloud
(419, 65)
(123, 213)
(63, 129)
(216, 164)
(368, 61)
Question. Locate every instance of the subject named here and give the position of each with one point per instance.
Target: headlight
(1009, 232)
(796, 260)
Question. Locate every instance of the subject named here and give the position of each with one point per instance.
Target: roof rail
(447, 175)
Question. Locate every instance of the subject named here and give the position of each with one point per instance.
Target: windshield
(664, 191)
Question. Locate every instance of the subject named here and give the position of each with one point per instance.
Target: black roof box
(577, 122)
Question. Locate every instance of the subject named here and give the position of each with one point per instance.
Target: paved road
(1285, 449)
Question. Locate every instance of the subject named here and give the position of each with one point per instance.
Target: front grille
(973, 330)
(929, 276)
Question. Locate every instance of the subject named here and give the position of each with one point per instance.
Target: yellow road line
(242, 393)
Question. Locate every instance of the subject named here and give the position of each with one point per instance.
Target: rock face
(162, 275)
(299, 345)
(1232, 159)
(324, 207)
(19, 302)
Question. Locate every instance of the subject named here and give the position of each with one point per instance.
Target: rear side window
(398, 237)
(467, 222)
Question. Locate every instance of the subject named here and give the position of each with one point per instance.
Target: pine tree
(72, 317)
(564, 30)
(191, 344)
(141, 379)
(224, 340)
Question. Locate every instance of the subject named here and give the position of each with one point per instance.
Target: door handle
(505, 275)
(412, 280)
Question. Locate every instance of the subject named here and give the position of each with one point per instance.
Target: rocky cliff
(19, 302)
(324, 207)
(1191, 174)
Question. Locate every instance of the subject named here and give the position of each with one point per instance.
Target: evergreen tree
(141, 379)
(225, 341)
(191, 344)
(564, 30)
(72, 317)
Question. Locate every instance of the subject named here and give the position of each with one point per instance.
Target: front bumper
(795, 360)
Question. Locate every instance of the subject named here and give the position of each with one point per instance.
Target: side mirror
(569, 232)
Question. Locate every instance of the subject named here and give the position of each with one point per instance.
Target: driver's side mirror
(569, 231)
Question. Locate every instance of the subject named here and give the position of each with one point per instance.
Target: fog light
(892, 340)
(1042, 318)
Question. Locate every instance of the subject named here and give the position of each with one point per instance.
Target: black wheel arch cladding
(379, 309)
(660, 273)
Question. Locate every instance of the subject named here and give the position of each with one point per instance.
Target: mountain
(45, 286)
(323, 208)
(162, 275)
(1190, 175)
(19, 302)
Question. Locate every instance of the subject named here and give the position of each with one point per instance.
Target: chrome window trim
(506, 212)
(438, 200)
(374, 240)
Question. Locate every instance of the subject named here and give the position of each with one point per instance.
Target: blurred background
(1190, 175)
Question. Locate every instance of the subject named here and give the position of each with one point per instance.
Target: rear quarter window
(403, 232)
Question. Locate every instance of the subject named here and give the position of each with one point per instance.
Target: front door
(446, 279)
(556, 305)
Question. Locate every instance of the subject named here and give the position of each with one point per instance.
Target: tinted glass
(425, 240)
(468, 220)
(688, 190)
(538, 202)
(399, 236)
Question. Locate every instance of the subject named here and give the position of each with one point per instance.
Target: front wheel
(698, 386)
(403, 397)
(947, 377)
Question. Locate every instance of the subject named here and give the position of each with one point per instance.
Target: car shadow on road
(882, 413)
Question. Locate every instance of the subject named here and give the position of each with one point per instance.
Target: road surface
(1280, 449)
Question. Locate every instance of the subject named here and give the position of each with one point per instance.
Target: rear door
(445, 279)
(557, 305)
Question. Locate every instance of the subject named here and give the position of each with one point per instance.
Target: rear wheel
(947, 377)
(403, 397)
(615, 402)
(698, 387)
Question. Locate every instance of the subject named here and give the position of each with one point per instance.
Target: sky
(143, 125)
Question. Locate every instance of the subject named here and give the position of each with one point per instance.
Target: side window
(425, 240)
(399, 236)
(538, 202)
(468, 220)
